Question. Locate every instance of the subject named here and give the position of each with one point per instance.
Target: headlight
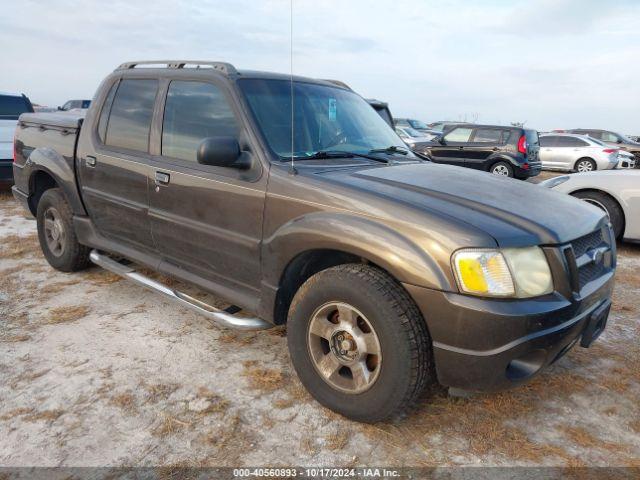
(510, 272)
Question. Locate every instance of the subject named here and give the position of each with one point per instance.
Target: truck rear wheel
(358, 343)
(56, 234)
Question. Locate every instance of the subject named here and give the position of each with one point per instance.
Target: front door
(206, 220)
(114, 172)
(451, 148)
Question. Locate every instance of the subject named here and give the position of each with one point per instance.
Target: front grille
(585, 268)
(582, 244)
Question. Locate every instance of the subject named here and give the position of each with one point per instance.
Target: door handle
(162, 178)
(495, 149)
(90, 161)
(460, 148)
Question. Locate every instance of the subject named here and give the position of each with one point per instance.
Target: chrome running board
(221, 317)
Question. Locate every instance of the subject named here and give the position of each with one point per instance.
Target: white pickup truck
(11, 106)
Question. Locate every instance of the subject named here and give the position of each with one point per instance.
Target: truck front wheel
(56, 233)
(358, 343)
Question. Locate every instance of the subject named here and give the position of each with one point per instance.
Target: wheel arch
(48, 169)
(611, 195)
(492, 161)
(308, 245)
(592, 160)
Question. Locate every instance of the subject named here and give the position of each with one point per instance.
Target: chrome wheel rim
(501, 170)
(585, 166)
(344, 348)
(54, 232)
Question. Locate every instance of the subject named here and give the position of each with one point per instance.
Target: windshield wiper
(391, 149)
(322, 154)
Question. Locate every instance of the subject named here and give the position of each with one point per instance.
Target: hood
(515, 213)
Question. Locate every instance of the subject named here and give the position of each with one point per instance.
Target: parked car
(613, 139)
(75, 104)
(617, 193)
(383, 110)
(626, 159)
(412, 123)
(11, 106)
(391, 273)
(505, 151)
(417, 141)
(579, 153)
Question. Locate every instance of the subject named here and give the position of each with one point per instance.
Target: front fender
(60, 168)
(386, 247)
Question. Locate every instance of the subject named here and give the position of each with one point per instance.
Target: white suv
(11, 106)
(579, 153)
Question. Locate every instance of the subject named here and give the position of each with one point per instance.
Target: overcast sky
(549, 63)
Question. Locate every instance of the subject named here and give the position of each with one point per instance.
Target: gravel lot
(95, 371)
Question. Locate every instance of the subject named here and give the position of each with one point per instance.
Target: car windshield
(12, 106)
(325, 119)
(418, 124)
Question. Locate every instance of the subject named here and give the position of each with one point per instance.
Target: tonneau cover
(67, 120)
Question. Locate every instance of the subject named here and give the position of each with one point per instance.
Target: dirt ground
(95, 371)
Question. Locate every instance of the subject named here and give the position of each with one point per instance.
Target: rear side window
(104, 113)
(194, 111)
(610, 137)
(131, 113)
(491, 135)
(460, 134)
(11, 107)
(571, 142)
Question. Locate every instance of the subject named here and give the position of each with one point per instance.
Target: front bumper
(482, 344)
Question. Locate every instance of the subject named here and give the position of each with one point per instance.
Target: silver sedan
(617, 192)
(579, 153)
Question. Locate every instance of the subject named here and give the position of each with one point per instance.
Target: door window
(104, 113)
(490, 135)
(610, 137)
(460, 135)
(130, 119)
(549, 141)
(194, 111)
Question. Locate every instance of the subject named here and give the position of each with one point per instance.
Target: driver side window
(458, 135)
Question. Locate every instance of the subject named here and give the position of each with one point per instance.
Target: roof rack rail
(223, 67)
(339, 83)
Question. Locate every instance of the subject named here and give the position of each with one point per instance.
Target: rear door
(113, 175)
(484, 143)
(550, 152)
(451, 151)
(206, 219)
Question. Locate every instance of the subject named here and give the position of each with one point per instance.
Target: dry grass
(585, 439)
(237, 338)
(337, 440)
(282, 403)
(217, 403)
(18, 246)
(264, 379)
(101, 277)
(17, 412)
(67, 314)
(56, 287)
(159, 391)
(15, 338)
(45, 415)
(126, 401)
(169, 425)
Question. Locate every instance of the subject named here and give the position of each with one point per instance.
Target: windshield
(325, 119)
(11, 107)
(418, 124)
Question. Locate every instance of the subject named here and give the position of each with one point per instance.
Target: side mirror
(60, 108)
(441, 140)
(222, 152)
(619, 140)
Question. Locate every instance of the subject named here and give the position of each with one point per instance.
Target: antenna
(292, 169)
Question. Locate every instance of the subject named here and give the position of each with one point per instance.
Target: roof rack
(339, 83)
(223, 67)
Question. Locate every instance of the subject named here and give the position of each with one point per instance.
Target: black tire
(502, 169)
(53, 207)
(406, 368)
(610, 207)
(589, 165)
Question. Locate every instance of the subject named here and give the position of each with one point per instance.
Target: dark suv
(506, 151)
(614, 139)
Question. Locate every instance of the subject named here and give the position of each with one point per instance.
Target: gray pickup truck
(391, 273)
